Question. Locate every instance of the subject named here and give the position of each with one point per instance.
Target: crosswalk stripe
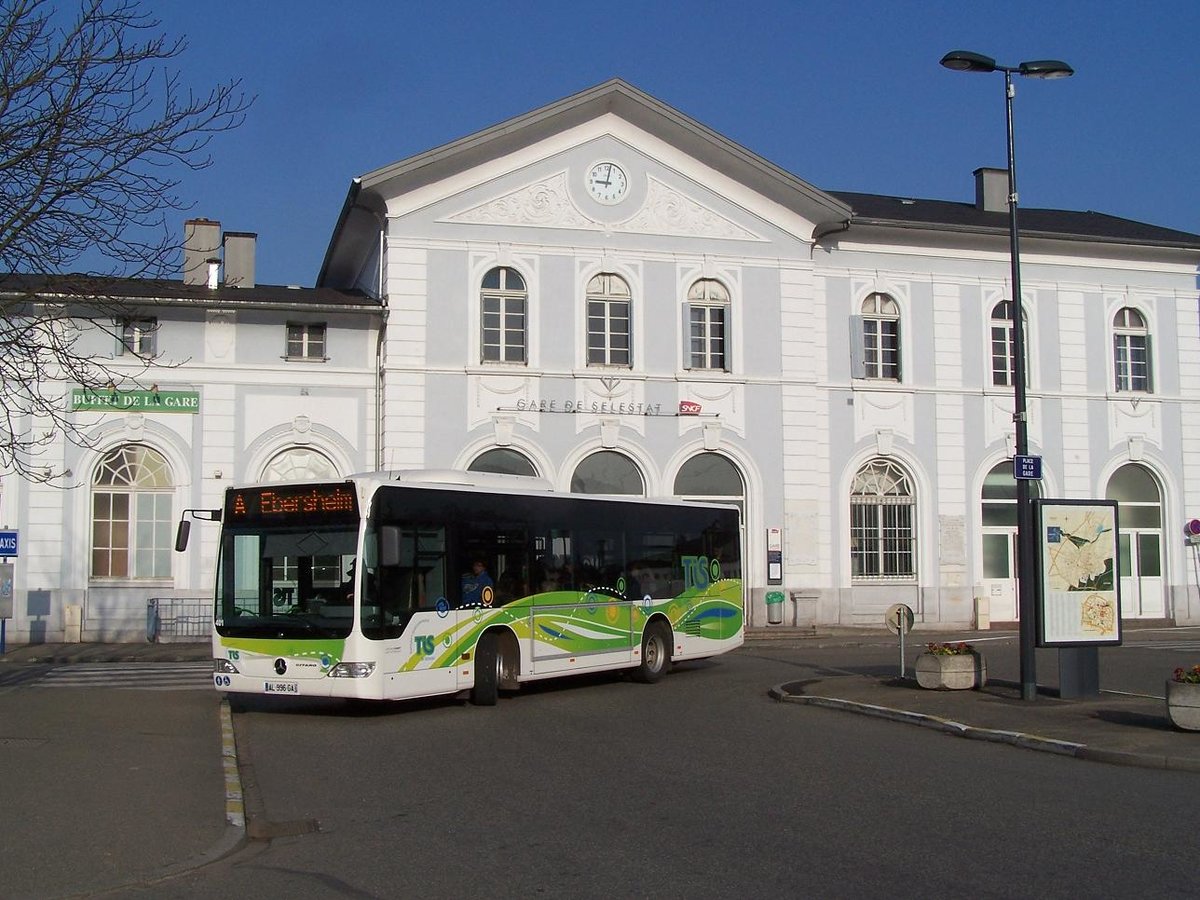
(125, 676)
(1190, 646)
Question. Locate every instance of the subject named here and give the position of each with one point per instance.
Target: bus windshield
(288, 582)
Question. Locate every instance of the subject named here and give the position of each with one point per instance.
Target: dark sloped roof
(906, 212)
(168, 291)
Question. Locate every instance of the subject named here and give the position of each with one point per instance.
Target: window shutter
(687, 335)
(1149, 367)
(727, 329)
(858, 350)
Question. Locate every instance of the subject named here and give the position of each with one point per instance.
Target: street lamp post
(965, 61)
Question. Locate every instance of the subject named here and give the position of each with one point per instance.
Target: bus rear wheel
(656, 653)
(487, 671)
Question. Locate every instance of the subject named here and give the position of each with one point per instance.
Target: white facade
(698, 323)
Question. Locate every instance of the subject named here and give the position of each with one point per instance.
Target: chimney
(239, 258)
(991, 190)
(201, 242)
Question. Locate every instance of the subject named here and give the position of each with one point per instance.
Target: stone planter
(1183, 705)
(951, 672)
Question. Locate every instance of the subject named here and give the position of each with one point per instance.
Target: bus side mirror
(185, 527)
(389, 545)
(181, 535)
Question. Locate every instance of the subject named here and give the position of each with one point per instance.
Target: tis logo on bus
(423, 644)
(699, 572)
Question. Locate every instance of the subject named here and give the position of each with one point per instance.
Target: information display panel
(1080, 597)
(311, 504)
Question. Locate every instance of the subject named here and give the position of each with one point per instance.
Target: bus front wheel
(656, 653)
(487, 671)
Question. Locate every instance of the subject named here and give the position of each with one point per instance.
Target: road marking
(128, 676)
(1187, 646)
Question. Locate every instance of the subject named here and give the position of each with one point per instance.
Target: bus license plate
(282, 687)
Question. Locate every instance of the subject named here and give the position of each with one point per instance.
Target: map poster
(1081, 587)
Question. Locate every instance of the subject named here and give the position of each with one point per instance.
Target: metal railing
(178, 619)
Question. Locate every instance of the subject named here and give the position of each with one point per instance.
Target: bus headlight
(224, 666)
(352, 670)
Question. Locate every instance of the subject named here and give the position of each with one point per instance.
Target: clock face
(606, 182)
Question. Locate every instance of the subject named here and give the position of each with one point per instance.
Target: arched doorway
(1140, 548)
(503, 461)
(710, 476)
(999, 518)
(300, 464)
(607, 472)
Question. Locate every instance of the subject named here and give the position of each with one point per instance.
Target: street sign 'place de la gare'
(136, 401)
(1027, 468)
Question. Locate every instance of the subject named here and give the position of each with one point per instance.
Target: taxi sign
(8, 543)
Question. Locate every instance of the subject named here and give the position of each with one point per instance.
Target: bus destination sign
(300, 503)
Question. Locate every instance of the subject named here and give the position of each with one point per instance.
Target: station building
(609, 295)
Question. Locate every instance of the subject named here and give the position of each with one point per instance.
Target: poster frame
(1048, 599)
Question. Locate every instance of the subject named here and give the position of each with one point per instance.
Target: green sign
(136, 401)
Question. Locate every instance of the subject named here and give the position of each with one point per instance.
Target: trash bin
(152, 621)
(774, 607)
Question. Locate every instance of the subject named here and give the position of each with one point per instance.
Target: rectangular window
(1002, 356)
(139, 336)
(503, 329)
(306, 341)
(154, 540)
(608, 342)
(882, 543)
(706, 337)
(110, 535)
(1132, 362)
(881, 339)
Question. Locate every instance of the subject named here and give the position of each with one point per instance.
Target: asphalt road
(699, 786)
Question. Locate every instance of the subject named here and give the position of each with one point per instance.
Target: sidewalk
(1115, 727)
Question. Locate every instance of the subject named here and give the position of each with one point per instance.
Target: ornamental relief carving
(548, 204)
(666, 211)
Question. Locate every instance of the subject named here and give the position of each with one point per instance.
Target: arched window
(710, 476)
(503, 461)
(132, 520)
(880, 323)
(502, 315)
(882, 528)
(300, 464)
(707, 316)
(607, 472)
(1131, 351)
(609, 332)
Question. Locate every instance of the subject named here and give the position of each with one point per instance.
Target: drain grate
(21, 742)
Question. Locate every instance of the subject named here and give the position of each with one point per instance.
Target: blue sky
(845, 95)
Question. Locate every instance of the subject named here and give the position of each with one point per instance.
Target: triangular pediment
(665, 209)
(548, 203)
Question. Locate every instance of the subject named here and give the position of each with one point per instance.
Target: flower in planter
(949, 649)
(1188, 676)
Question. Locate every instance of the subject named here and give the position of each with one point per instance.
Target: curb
(235, 804)
(1012, 738)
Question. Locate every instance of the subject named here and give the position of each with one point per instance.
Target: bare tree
(96, 131)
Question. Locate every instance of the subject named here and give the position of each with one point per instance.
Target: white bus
(415, 584)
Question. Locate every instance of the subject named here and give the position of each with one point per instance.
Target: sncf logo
(689, 408)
